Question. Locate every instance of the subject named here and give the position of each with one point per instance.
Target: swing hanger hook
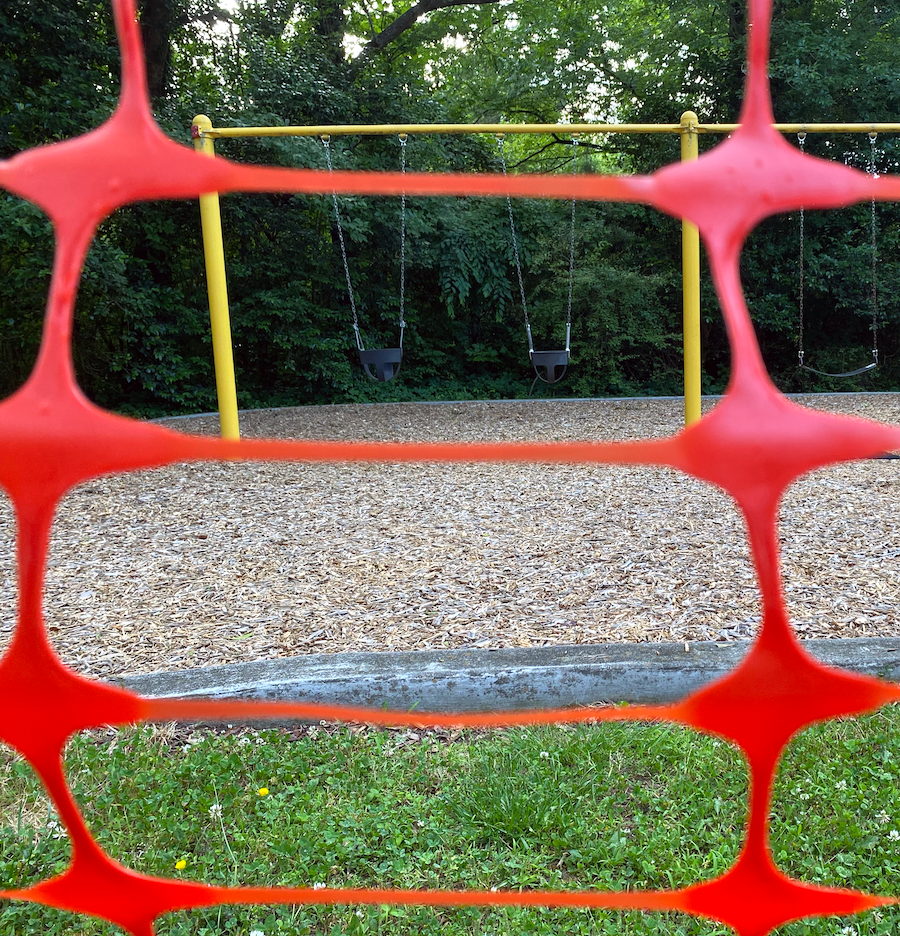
(801, 137)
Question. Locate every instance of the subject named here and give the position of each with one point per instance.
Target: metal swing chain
(873, 295)
(801, 139)
(326, 140)
(403, 140)
(572, 246)
(512, 228)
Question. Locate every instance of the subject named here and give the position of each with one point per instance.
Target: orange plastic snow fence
(753, 445)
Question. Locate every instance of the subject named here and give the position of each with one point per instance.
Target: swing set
(382, 364)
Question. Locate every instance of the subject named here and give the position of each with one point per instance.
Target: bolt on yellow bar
(217, 287)
(690, 273)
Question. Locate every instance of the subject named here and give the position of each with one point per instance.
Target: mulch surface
(203, 564)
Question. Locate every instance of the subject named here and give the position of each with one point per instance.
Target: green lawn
(597, 806)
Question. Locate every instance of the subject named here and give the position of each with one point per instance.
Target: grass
(602, 806)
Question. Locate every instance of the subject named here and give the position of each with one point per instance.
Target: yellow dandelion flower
(262, 791)
(180, 865)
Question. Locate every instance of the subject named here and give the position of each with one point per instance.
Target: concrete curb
(498, 680)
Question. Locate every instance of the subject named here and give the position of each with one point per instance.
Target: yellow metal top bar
(388, 129)
(568, 129)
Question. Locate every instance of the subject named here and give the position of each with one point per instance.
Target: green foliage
(26, 259)
(141, 330)
(58, 71)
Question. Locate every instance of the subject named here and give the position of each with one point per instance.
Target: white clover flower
(318, 886)
(883, 817)
(215, 811)
(544, 755)
(257, 933)
(841, 785)
(894, 835)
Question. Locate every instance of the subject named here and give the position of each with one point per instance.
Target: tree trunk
(329, 23)
(398, 26)
(158, 21)
(733, 90)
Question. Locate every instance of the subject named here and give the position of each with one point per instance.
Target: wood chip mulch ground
(201, 564)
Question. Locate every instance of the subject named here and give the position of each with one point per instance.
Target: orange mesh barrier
(753, 445)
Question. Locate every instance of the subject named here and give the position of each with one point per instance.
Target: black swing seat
(381, 363)
(852, 373)
(553, 364)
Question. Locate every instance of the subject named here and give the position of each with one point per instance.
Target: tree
(58, 71)
(141, 321)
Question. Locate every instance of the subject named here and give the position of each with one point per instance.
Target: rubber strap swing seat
(873, 292)
(550, 366)
(381, 364)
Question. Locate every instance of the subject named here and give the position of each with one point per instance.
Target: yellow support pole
(217, 287)
(690, 270)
